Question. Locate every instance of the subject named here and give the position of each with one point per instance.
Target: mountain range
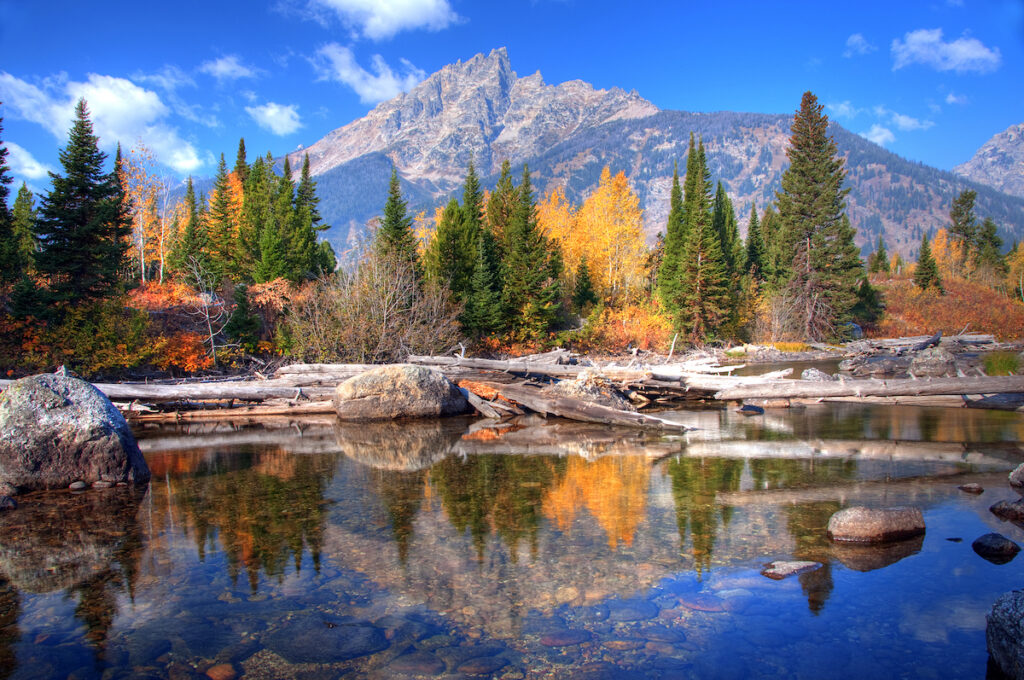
(567, 133)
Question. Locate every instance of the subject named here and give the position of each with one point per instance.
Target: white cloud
(879, 135)
(168, 78)
(925, 46)
(228, 68)
(908, 123)
(844, 109)
(857, 45)
(277, 118)
(337, 62)
(380, 19)
(120, 110)
(953, 98)
(23, 164)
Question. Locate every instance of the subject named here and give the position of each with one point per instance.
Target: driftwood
(576, 409)
(871, 388)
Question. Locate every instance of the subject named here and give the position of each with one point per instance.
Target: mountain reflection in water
(440, 542)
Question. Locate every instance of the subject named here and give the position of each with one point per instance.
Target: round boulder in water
(875, 525)
(995, 548)
(398, 391)
(55, 430)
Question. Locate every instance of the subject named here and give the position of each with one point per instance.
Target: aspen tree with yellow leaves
(149, 204)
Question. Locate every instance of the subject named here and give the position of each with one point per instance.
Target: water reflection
(447, 541)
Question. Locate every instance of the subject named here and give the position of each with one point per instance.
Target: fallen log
(576, 409)
(871, 388)
(220, 391)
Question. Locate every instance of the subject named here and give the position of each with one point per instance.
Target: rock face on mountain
(567, 133)
(999, 163)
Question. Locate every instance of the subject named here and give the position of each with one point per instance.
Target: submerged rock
(972, 488)
(875, 525)
(780, 569)
(398, 391)
(1008, 510)
(55, 430)
(995, 548)
(750, 410)
(1004, 634)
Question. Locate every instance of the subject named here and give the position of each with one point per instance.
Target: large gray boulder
(591, 388)
(1005, 634)
(55, 430)
(933, 362)
(398, 391)
(875, 525)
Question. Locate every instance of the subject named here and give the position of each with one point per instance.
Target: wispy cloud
(879, 135)
(23, 164)
(844, 109)
(926, 47)
(857, 45)
(901, 121)
(381, 19)
(953, 98)
(336, 62)
(121, 112)
(229, 67)
(170, 79)
(279, 119)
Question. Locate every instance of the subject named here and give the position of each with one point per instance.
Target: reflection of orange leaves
(487, 434)
(613, 489)
(277, 463)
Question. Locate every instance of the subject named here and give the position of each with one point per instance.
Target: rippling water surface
(535, 549)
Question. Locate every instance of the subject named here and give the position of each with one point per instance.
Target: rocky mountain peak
(999, 163)
(479, 107)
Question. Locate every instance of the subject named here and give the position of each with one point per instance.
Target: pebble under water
(534, 549)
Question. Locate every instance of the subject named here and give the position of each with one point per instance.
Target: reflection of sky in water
(442, 549)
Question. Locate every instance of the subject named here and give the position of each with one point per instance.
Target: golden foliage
(910, 311)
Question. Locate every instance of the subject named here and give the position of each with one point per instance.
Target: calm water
(543, 549)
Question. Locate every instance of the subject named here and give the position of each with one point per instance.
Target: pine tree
(926, 274)
(243, 326)
(451, 258)
(878, 263)
(988, 256)
(501, 207)
(11, 264)
(672, 248)
(964, 226)
(756, 254)
(473, 200)
(814, 228)
(723, 220)
(583, 295)
(532, 291)
(191, 245)
(221, 230)
(82, 227)
(306, 206)
(395, 237)
(260, 191)
(241, 164)
(869, 303)
(484, 313)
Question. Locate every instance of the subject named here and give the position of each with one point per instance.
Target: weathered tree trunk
(876, 388)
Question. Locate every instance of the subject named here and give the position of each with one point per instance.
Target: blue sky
(930, 80)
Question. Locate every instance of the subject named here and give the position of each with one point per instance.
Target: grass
(1001, 363)
(791, 346)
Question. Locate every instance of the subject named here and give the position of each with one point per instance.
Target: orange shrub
(909, 311)
(644, 327)
(184, 351)
(154, 297)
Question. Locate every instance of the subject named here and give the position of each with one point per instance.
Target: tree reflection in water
(10, 609)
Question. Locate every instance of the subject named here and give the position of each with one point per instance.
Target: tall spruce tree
(241, 163)
(756, 254)
(473, 200)
(306, 205)
(963, 226)
(926, 274)
(221, 228)
(484, 313)
(533, 268)
(11, 263)
(452, 255)
(395, 237)
(673, 243)
(878, 262)
(723, 220)
(191, 247)
(826, 267)
(583, 295)
(501, 207)
(83, 226)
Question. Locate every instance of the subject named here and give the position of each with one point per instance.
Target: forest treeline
(107, 272)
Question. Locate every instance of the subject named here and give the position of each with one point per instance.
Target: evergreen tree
(243, 326)
(776, 265)
(826, 265)
(395, 237)
(484, 314)
(723, 220)
(583, 295)
(705, 291)
(878, 263)
(451, 258)
(533, 265)
(473, 200)
(83, 227)
(191, 246)
(259, 210)
(989, 257)
(241, 164)
(11, 263)
(869, 303)
(672, 248)
(964, 226)
(926, 274)
(501, 207)
(221, 230)
(755, 247)
(306, 206)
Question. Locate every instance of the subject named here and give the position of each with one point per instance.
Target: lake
(540, 549)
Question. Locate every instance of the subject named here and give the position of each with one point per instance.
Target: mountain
(999, 163)
(567, 133)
